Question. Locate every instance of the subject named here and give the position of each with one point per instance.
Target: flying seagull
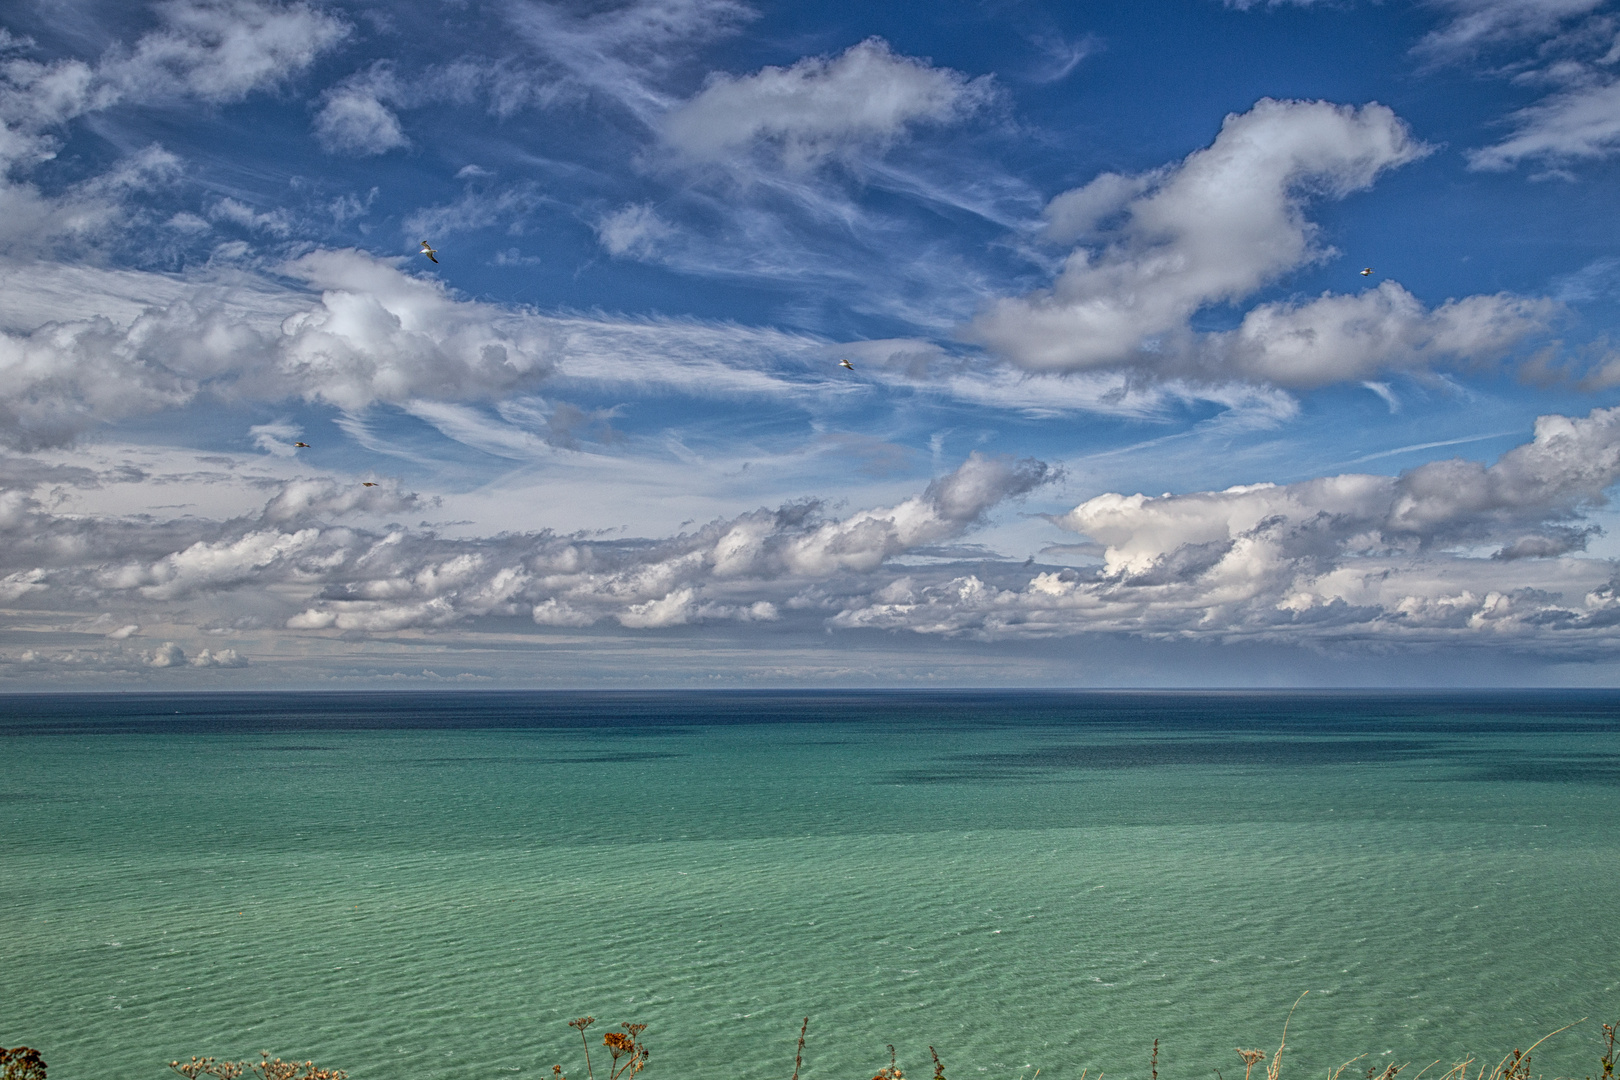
(845, 362)
(430, 251)
(1365, 273)
(367, 483)
(305, 445)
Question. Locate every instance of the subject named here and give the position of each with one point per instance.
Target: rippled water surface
(431, 886)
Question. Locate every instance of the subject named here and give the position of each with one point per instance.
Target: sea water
(421, 886)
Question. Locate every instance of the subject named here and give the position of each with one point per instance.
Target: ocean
(432, 885)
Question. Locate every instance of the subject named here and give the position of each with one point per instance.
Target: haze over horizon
(1124, 408)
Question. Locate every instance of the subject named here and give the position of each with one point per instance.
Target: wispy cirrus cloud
(1472, 26)
(209, 51)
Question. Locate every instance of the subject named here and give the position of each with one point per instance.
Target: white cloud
(354, 120)
(1338, 337)
(477, 208)
(215, 51)
(1566, 44)
(276, 438)
(674, 609)
(1581, 123)
(1452, 551)
(222, 50)
(623, 52)
(375, 334)
(822, 107)
(166, 655)
(15, 586)
(633, 230)
(368, 333)
(305, 563)
(360, 114)
(1227, 220)
(1163, 245)
(1477, 24)
(308, 500)
(1567, 468)
(81, 347)
(214, 565)
(1075, 215)
(219, 658)
(1352, 557)
(275, 222)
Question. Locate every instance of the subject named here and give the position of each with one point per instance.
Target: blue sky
(1124, 409)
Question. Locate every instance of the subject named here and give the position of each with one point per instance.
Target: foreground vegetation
(627, 1056)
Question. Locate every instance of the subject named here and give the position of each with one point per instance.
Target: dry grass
(628, 1056)
(266, 1067)
(21, 1063)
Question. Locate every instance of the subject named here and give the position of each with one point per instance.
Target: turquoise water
(431, 886)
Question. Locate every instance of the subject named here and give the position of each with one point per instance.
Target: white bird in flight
(845, 362)
(430, 251)
(1365, 273)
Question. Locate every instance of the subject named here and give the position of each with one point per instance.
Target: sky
(1193, 343)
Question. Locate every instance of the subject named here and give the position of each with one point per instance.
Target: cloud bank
(1452, 551)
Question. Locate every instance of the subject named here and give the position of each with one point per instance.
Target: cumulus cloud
(1351, 556)
(1160, 246)
(354, 119)
(1566, 468)
(1339, 337)
(166, 655)
(1452, 551)
(81, 347)
(321, 500)
(218, 658)
(633, 230)
(821, 107)
(307, 562)
(373, 335)
(1214, 228)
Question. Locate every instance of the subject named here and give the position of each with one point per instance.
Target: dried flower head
(21, 1063)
